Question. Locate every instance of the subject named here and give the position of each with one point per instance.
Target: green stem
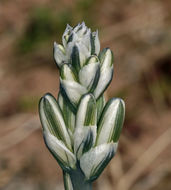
(75, 180)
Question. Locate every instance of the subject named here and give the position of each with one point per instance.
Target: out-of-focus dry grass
(139, 33)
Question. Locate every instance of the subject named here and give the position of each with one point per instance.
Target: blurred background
(139, 33)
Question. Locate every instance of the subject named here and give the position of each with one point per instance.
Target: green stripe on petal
(96, 159)
(75, 58)
(111, 121)
(90, 73)
(51, 115)
(85, 132)
(100, 103)
(84, 139)
(73, 91)
(106, 72)
(87, 112)
(59, 54)
(62, 154)
(69, 116)
(95, 43)
(67, 73)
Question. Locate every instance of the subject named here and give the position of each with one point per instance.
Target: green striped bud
(52, 119)
(111, 121)
(95, 160)
(85, 132)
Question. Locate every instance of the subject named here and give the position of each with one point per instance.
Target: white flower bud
(85, 132)
(66, 35)
(73, 91)
(52, 119)
(111, 121)
(95, 160)
(59, 54)
(69, 116)
(63, 155)
(106, 72)
(90, 73)
(95, 43)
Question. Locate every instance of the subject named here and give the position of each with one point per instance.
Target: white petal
(84, 139)
(88, 73)
(96, 43)
(84, 53)
(86, 118)
(52, 119)
(86, 112)
(64, 156)
(104, 80)
(69, 116)
(66, 35)
(106, 72)
(73, 90)
(95, 160)
(66, 73)
(59, 54)
(111, 121)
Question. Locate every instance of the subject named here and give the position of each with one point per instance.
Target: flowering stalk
(80, 129)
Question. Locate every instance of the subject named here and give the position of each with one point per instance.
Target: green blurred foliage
(44, 25)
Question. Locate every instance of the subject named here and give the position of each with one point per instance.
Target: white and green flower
(80, 129)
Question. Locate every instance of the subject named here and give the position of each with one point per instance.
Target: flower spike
(80, 129)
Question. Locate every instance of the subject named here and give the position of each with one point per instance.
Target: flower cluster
(80, 129)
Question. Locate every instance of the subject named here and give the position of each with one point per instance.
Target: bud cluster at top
(79, 39)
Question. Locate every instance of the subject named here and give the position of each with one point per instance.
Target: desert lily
(80, 129)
